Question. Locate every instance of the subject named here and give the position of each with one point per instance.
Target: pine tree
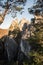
(10, 6)
(36, 41)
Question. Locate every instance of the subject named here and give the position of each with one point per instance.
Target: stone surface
(23, 22)
(14, 25)
(3, 32)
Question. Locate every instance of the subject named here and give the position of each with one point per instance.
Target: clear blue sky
(8, 19)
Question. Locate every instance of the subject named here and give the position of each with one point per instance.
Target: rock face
(14, 25)
(3, 32)
(21, 26)
(14, 28)
(24, 28)
(23, 22)
(11, 48)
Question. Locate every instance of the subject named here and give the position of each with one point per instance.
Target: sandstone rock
(14, 28)
(22, 22)
(14, 25)
(3, 32)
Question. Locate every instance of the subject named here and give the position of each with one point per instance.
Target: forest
(22, 43)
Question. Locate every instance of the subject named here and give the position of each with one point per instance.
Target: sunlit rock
(14, 25)
(14, 28)
(3, 32)
(22, 22)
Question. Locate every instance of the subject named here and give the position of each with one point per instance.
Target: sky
(8, 18)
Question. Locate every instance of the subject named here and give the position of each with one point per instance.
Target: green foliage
(36, 43)
(37, 8)
(14, 32)
(18, 8)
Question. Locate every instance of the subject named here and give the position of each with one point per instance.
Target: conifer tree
(36, 41)
(10, 6)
